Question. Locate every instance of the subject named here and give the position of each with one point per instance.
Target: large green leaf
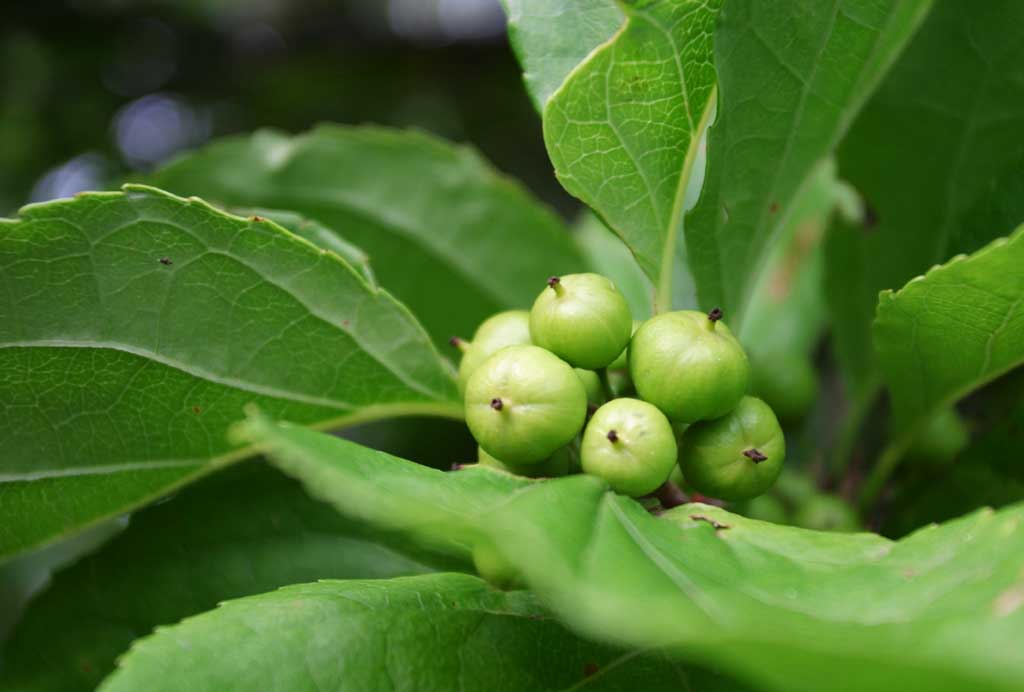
(428, 633)
(552, 37)
(135, 325)
(241, 532)
(792, 76)
(447, 235)
(623, 129)
(947, 333)
(784, 608)
(610, 257)
(933, 141)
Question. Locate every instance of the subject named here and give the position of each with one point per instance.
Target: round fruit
(494, 569)
(510, 328)
(787, 383)
(523, 403)
(689, 365)
(622, 361)
(631, 445)
(592, 383)
(737, 456)
(581, 318)
(552, 467)
(941, 438)
(766, 508)
(827, 513)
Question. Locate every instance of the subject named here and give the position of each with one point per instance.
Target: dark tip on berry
(754, 455)
(715, 314)
(166, 261)
(553, 281)
(456, 342)
(497, 404)
(613, 436)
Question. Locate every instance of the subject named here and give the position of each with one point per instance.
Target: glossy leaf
(623, 129)
(135, 325)
(552, 37)
(792, 76)
(947, 333)
(241, 532)
(448, 236)
(783, 608)
(946, 123)
(428, 633)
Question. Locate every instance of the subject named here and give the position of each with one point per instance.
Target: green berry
(622, 362)
(737, 456)
(581, 318)
(767, 508)
(689, 365)
(554, 466)
(494, 569)
(827, 513)
(631, 445)
(787, 383)
(941, 438)
(592, 383)
(523, 404)
(510, 328)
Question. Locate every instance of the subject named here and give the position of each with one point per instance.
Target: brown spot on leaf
(717, 524)
(590, 669)
(166, 261)
(774, 208)
(256, 218)
(196, 410)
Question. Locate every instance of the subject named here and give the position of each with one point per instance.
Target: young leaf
(623, 129)
(448, 236)
(941, 128)
(135, 325)
(433, 632)
(791, 78)
(551, 37)
(947, 333)
(241, 532)
(783, 608)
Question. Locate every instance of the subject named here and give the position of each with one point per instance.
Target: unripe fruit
(631, 445)
(510, 328)
(941, 439)
(592, 383)
(689, 365)
(737, 456)
(622, 362)
(494, 569)
(767, 508)
(826, 513)
(581, 318)
(554, 466)
(523, 403)
(787, 383)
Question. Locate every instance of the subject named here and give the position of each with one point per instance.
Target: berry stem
(459, 343)
(612, 436)
(497, 404)
(555, 284)
(755, 455)
(713, 316)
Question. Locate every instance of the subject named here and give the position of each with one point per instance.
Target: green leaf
(241, 532)
(934, 140)
(945, 334)
(134, 327)
(433, 632)
(623, 129)
(610, 257)
(552, 37)
(792, 76)
(780, 607)
(448, 236)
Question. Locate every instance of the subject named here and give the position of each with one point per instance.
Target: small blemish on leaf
(166, 261)
(344, 323)
(717, 524)
(774, 208)
(196, 410)
(590, 669)
(256, 218)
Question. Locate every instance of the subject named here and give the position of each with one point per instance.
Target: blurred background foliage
(95, 89)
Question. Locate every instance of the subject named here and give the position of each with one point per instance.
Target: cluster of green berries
(668, 394)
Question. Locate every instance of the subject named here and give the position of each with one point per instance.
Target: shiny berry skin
(735, 457)
(523, 404)
(554, 466)
(631, 445)
(581, 318)
(509, 328)
(689, 365)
